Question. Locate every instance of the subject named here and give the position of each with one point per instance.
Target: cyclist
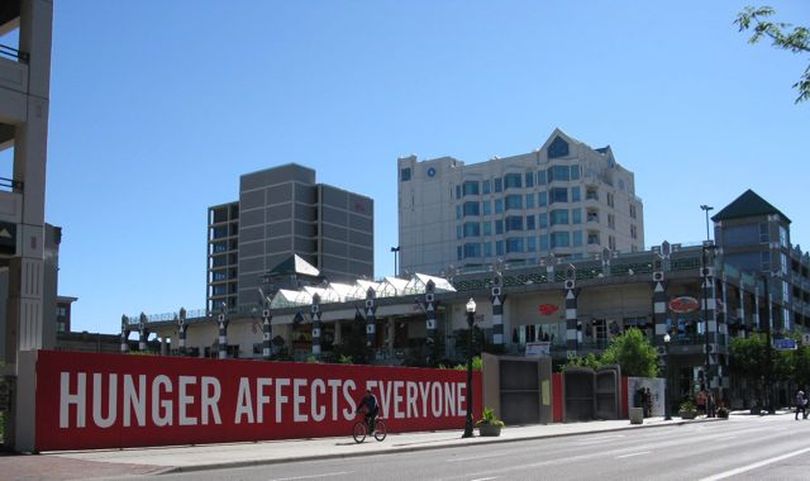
(369, 405)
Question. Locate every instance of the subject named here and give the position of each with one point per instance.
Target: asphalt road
(747, 448)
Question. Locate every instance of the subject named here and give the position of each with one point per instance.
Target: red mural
(107, 400)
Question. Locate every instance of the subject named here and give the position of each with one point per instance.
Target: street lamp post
(706, 209)
(395, 251)
(468, 424)
(667, 397)
(768, 346)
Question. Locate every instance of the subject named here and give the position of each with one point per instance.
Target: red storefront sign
(683, 304)
(107, 400)
(548, 309)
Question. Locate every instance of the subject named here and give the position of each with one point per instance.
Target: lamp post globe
(468, 423)
(667, 407)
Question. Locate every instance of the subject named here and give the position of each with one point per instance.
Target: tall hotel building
(282, 213)
(565, 199)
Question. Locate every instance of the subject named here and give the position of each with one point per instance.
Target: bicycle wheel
(380, 430)
(359, 432)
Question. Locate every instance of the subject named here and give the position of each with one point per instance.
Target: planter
(688, 414)
(489, 430)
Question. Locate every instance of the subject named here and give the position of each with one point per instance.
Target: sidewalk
(58, 466)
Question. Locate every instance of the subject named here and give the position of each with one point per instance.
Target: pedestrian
(700, 401)
(711, 406)
(801, 404)
(647, 402)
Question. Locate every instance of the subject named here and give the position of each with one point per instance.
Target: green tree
(749, 361)
(633, 352)
(796, 40)
(590, 360)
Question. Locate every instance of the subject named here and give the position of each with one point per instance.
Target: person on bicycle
(369, 405)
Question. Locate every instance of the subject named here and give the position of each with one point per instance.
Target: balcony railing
(10, 184)
(13, 53)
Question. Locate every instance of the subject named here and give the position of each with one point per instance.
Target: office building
(565, 199)
(282, 213)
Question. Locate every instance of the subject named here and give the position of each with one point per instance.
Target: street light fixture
(395, 251)
(667, 409)
(468, 424)
(706, 209)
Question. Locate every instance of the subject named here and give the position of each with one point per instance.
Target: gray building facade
(282, 211)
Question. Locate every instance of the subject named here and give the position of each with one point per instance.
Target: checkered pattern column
(430, 309)
(710, 310)
(182, 327)
(222, 321)
(659, 299)
(497, 297)
(315, 310)
(371, 317)
(571, 324)
(124, 334)
(267, 333)
(143, 332)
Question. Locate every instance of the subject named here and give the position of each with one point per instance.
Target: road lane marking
(640, 453)
(485, 479)
(313, 476)
(764, 462)
(473, 458)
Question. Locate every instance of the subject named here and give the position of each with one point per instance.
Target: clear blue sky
(157, 107)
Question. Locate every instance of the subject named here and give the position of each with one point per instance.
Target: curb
(410, 449)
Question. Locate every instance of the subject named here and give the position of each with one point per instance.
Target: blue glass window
(558, 148)
(542, 199)
(498, 226)
(559, 172)
(458, 192)
(458, 252)
(512, 181)
(514, 202)
(559, 194)
(559, 216)
(405, 174)
(499, 248)
(487, 249)
(576, 216)
(458, 212)
(487, 228)
(529, 222)
(560, 239)
(542, 220)
(486, 186)
(574, 172)
(470, 187)
(529, 179)
(514, 222)
(472, 250)
(458, 232)
(544, 242)
(487, 207)
(541, 177)
(531, 244)
(577, 238)
(575, 194)
(498, 184)
(472, 229)
(514, 244)
(472, 208)
(530, 201)
(498, 206)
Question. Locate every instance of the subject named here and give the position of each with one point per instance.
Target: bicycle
(361, 430)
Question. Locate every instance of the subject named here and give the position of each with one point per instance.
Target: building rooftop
(749, 204)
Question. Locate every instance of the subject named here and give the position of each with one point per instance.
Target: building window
(487, 228)
(591, 194)
(593, 238)
(542, 199)
(512, 181)
(559, 173)
(632, 211)
(531, 244)
(574, 172)
(633, 232)
(542, 220)
(472, 250)
(459, 253)
(472, 208)
(765, 260)
(576, 216)
(592, 215)
(612, 222)
(487, 249)
(219, 276)
(487, 207)
(530, 201)
(784, 260)
(499, 248)
(541, 177)
(498, 185)
(514, 244)
(763, 232)
(577, 238)
(610, 200)
(611, 243)
(558, 148)
(514, 202)
(544, 242)
(514, 223)
(575, 196)
(529, 222)
(458, 212)
(559, 194)
(458, 192)
(499, 206)
(783, 236)
(529, 179)
(220, 232)
(405, 174)
(472, 229)
(498, 227)
(486, 186)
(560, 239)
(470, 187)
(458, 232)
(559, 216)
